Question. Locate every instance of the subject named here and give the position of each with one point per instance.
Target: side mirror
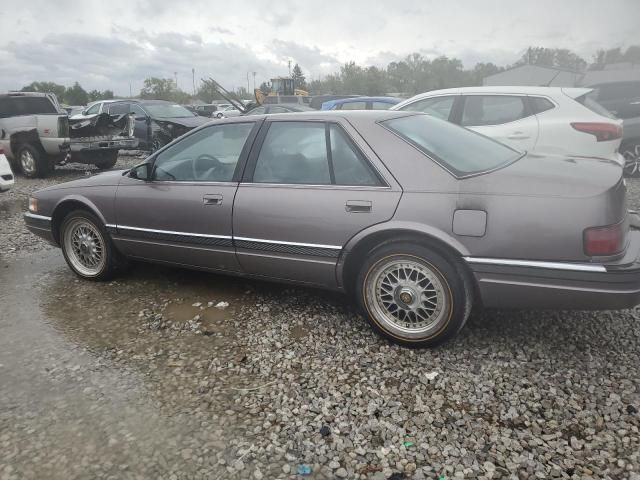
(141, 172)
(139, 118)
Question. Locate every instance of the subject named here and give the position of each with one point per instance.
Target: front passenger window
(439, 107)
(208, 155)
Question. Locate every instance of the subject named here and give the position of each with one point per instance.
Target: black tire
(157, 142)
(33, 161)
(631, 153)
(113, 260)
(413, 324)
(107, 159)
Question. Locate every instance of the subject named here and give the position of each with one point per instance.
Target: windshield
(167, 110)
(462, 152)
(588, 101)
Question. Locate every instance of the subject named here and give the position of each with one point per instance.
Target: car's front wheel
(412, 295)
(106, 159)
(631, 154)
(87, 247)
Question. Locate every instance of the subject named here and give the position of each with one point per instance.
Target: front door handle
(358, 206)
(212, 199)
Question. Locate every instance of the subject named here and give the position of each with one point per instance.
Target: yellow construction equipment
(280, 86)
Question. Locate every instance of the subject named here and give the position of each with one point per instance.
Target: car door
(183, 215)
(308, 188)
(141, 129)
(506, 118)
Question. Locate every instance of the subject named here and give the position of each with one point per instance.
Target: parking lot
(154, 376)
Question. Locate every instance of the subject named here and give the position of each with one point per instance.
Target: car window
(94, 109)
(461, 151)
(256, 111)
(588, 102)
(349, 165)
(278, 110)
(208, 155)
(137, 110)
(492, 109)
(380, 106)
(294, 153)
(15, 106)
(619, 91)
(118, 108)
(539, 104)
(439, 107)
(353, 106)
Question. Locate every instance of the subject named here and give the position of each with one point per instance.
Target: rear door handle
(212, 199)
(358, 206)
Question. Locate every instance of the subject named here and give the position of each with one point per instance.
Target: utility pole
(248, 86)
(289, 67)
(193, 77)
(254, 80)
(176, 76)
(130, 94)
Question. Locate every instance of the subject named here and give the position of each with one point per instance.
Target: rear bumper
(97, 143)
(505, 283)
(39, 225)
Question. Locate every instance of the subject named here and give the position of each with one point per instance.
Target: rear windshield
(588, 101)
(462, 152)
(13, 106)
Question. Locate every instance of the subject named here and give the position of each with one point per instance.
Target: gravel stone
(141, 377)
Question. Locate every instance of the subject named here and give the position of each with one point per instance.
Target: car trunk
(566, 197)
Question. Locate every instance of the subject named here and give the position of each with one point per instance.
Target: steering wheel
(204, 164)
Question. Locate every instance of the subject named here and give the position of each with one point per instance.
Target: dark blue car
(361, 103)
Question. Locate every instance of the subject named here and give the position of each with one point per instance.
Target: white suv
(536, 119)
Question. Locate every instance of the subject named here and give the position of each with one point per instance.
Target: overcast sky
(112, 44)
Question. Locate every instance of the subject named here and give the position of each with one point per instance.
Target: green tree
(76, 95)
(163, 89)
(299, 80)
(46, 87)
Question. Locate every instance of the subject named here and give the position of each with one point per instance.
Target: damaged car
(157, 122)
(36, 134)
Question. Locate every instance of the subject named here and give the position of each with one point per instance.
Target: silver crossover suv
(418, 218)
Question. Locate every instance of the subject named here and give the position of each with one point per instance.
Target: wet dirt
(101, 388)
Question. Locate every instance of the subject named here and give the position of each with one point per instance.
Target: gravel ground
(155, 376)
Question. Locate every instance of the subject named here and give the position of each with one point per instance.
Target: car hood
(189, 122)
(111, 177)
(549, 176)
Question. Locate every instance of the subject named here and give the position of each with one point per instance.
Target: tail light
(1, 151)
(604, 241)
(602, 131)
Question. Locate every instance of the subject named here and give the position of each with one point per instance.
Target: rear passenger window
(353, 106)
(492, 109)
(294, 153)
(439, 107)
(94, 109)
(349, 165)
(118, 108)
(380, 106)
(539, 104)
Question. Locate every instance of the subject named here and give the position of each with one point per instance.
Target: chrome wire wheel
(631, 154)
(27, 162)
(85, 247)
(408, 297)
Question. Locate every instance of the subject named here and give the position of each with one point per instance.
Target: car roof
(366, 99)
(370, 116)
(510, 89)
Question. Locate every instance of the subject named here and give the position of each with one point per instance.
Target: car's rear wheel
(631, 154)
(412, 295)
(33, 161)
(106, 159)
(87, 247)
